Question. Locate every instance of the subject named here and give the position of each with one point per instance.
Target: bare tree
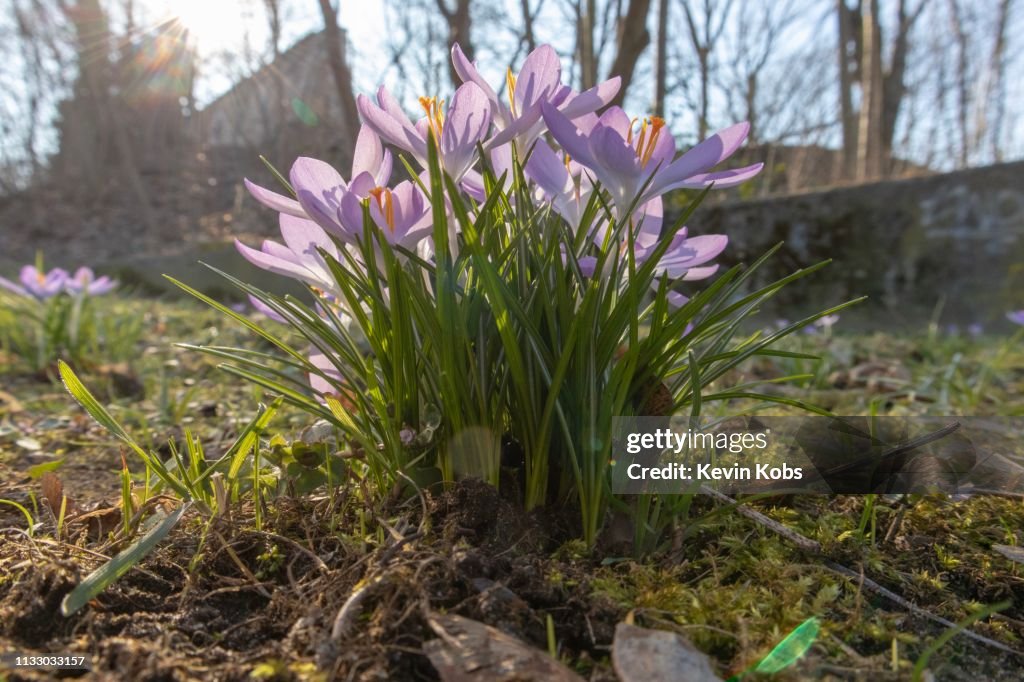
(459, 23)
(340, 70)
(631, 39)
(705, 30)
(661, 61)
(869, 131)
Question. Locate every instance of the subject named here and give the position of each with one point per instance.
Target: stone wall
(954, 240)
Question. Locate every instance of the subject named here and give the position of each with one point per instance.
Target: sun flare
(212, 24)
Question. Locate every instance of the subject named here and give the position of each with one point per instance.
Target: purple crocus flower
(457, 131)
(624, 160)
(318, 185)
(1016, 316)
(538, 81)
(85, 280)
(37, 284)
(298, 257)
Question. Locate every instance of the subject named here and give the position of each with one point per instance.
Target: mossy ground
(260, 604)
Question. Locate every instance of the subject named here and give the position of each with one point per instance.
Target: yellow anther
(650, 131)
(434, 109)
(510, 81)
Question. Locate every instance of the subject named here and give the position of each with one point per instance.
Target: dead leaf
(53, 494)
(642, 655)
(469, 651)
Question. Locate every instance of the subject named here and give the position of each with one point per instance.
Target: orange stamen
(386, 204)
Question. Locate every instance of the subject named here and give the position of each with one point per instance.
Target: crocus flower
(85, 280)
(318, 185)
(625, 160)
(298, 257)
(538, 82)
(457, 131)
(37, 284)
(1016, 316)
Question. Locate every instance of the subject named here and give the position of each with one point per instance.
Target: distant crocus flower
(1016, 316)
(37, 284)
(539, 80)
(625, 159)
(457, 130)
(827, 321)
(85, 280)
(319, 184)
(298, 257)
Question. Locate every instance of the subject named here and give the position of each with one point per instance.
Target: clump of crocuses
(497, 279)
(47, 315)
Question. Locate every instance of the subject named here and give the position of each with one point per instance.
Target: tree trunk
(585, 42)
(340, 71)
(459, 23)
(869, 153)
(661, 61)
(528, 36)
(846, 77)
(633, 39)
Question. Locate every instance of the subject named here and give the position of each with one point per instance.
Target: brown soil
(474, 554)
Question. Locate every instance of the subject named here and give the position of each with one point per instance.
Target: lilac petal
(467, 122)
(588, 264)
(703, 272)
(273, 263)
(1016, 316)
(721, 179)
(467, 71)
(591, 100)
(350, 214)
(399, 132)
(651, 215)
(546, 169)
(574, 142)
(617, 164)
(319, 188)
(384, 171)
(304, 237)
(368, 154)
(695, 251)
(473, 185)
(318, 382)
(538, 78)
(101, 286)
(616, 119)
(518, 127)
(362, 184)
(261, 307)
(273, 200)
(678, 300)
(708, 153)
(30, 277)
(12, 287)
